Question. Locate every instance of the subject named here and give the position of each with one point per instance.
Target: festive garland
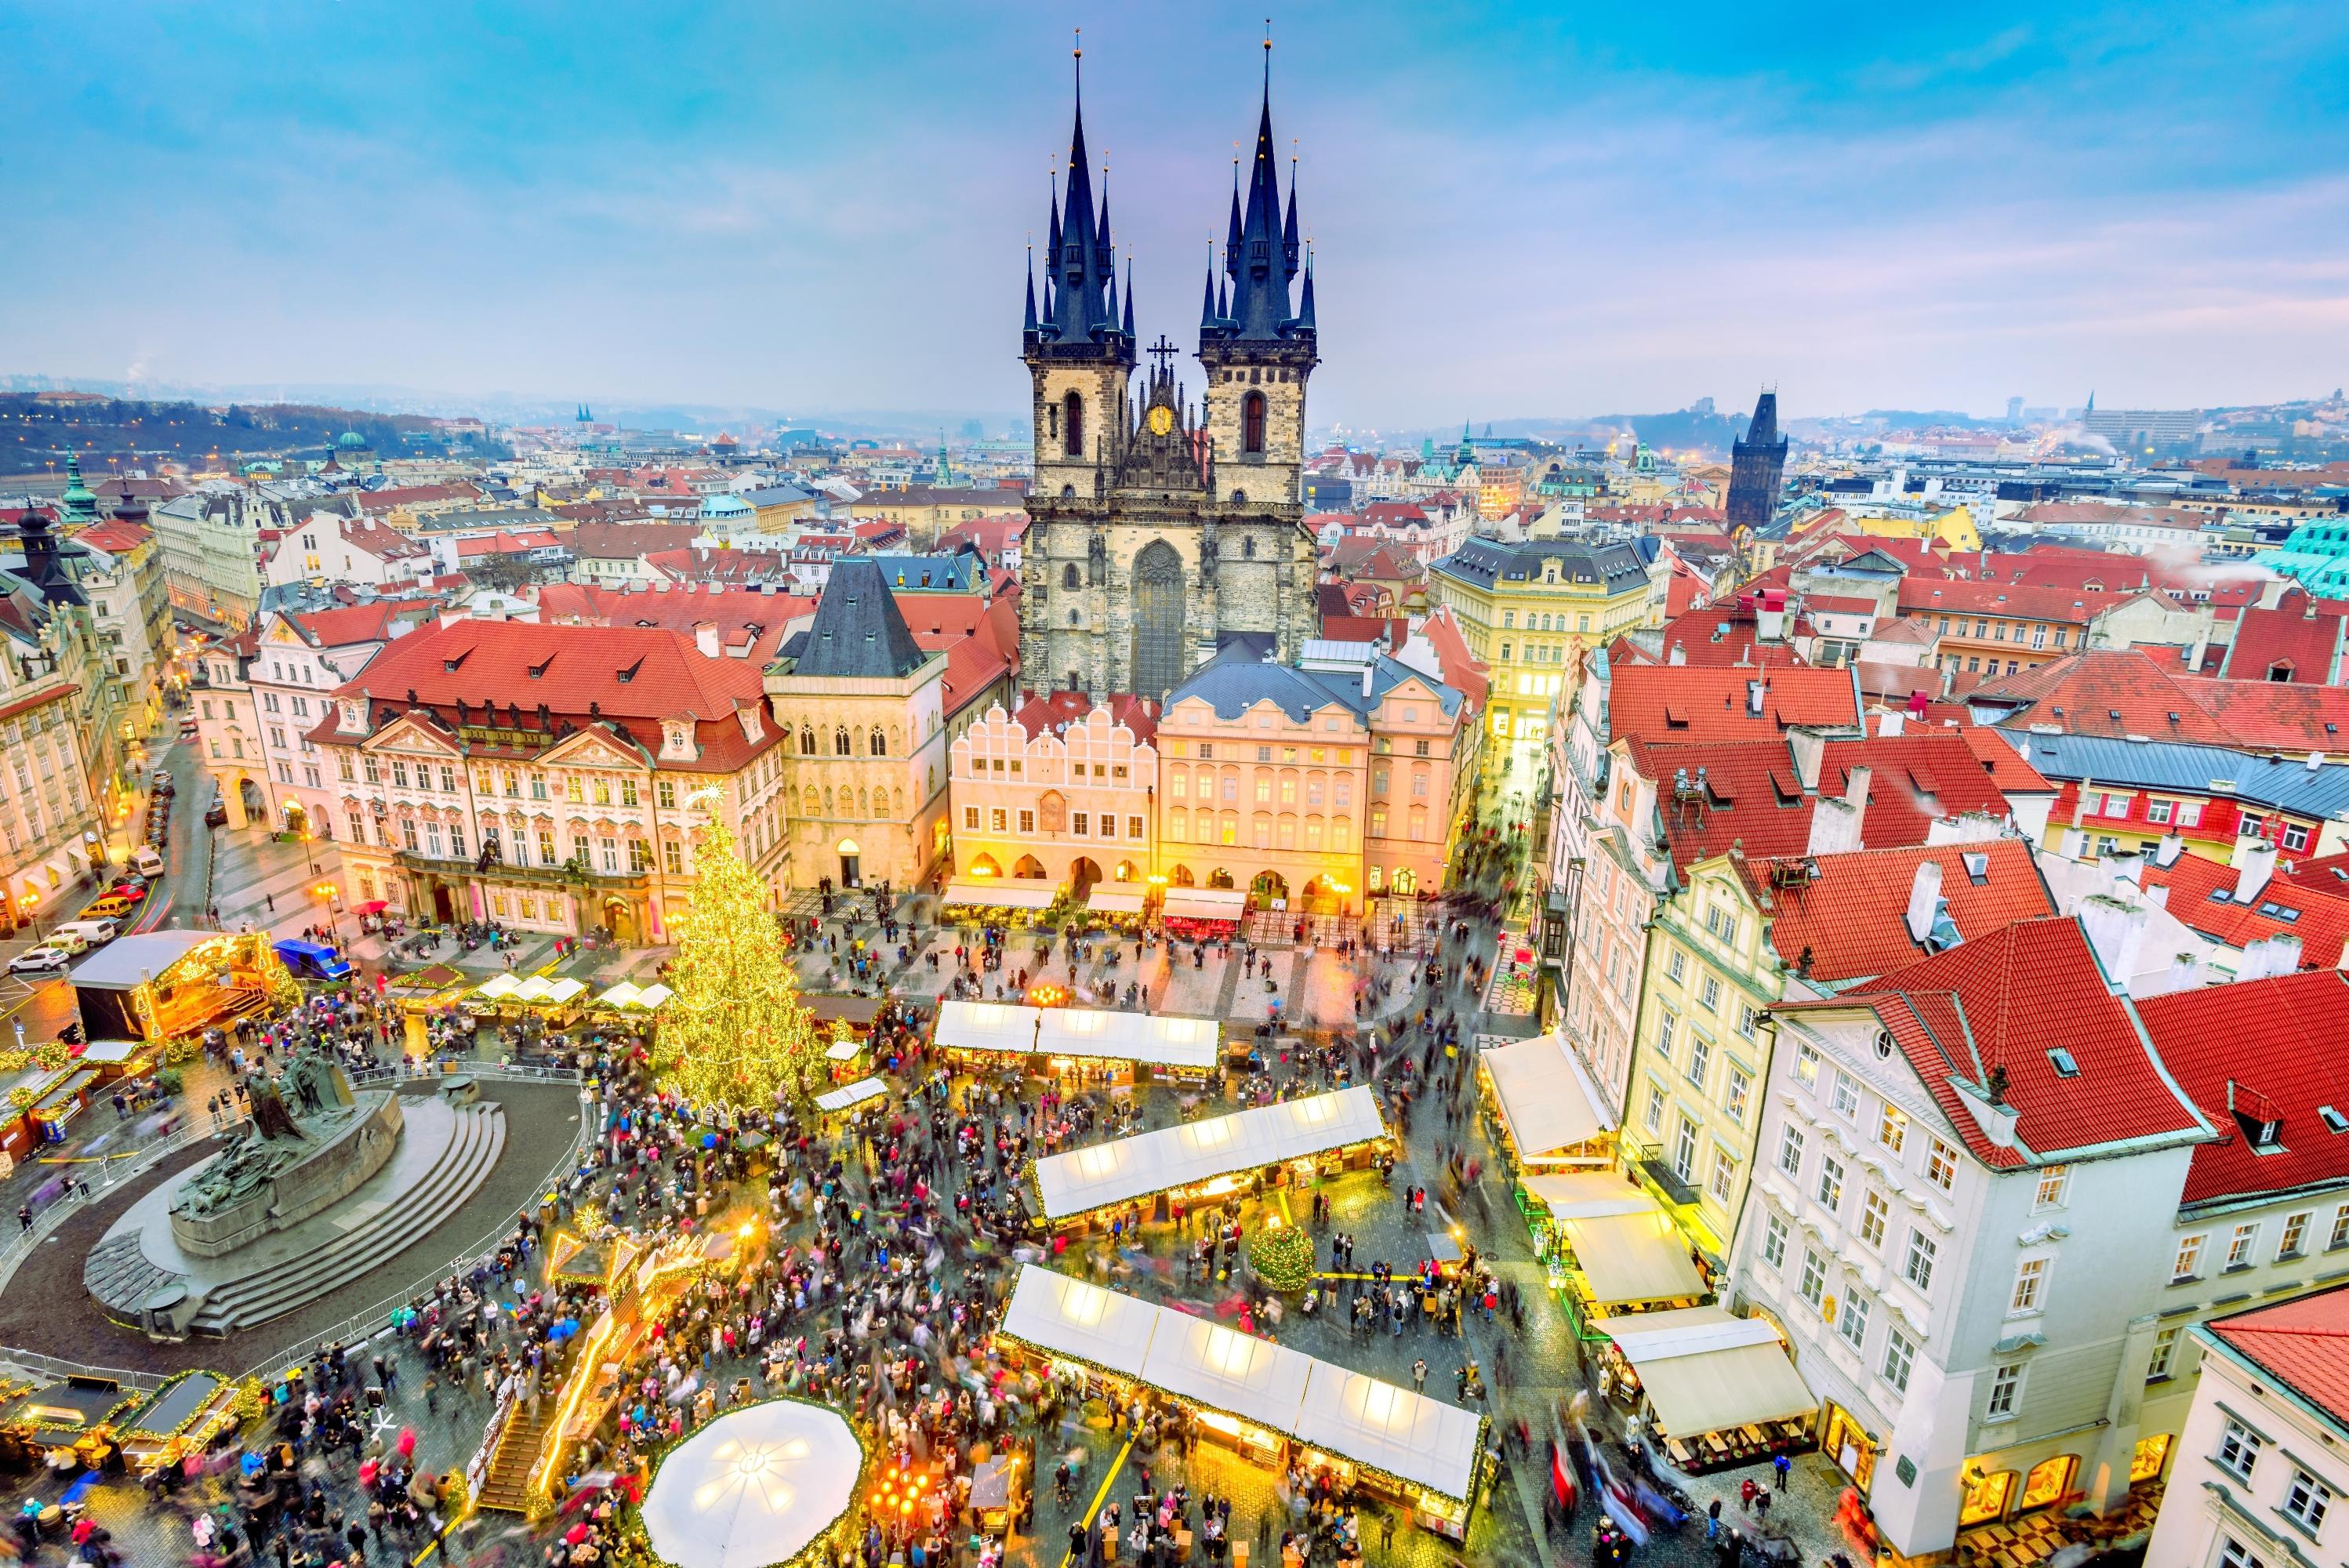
(1282, 1257)
(818, 1544)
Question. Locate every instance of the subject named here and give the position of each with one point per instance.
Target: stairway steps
(506, 1487)
(474, 1147)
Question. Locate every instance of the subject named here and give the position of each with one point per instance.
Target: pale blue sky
(1517, 209)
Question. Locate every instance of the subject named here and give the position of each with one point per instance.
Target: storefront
(1296, 1141)
(1117, 907)
(1061, 1041)
(1719, 1390)
(1844, 1437)
(1202, 913)
(1543, 1107)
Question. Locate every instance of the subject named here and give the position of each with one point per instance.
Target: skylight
(2334, 1120)
(2065, 1066)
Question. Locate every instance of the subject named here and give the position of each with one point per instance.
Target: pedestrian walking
(1712, 1519)
(1745, 1490)
(1419, 1375)
(1779, 1466)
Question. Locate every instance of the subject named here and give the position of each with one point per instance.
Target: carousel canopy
(754, 1487)
(1707, 1371)
(1546, 1098)
(1001, 892)
(129, 962)
(852, 1096)
(1196, 1151)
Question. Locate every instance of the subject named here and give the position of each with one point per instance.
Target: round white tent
(754, 1487)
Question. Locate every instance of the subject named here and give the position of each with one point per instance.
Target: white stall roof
(987, 1025)
(1404, 1434)
(1001, 892)
(498, 987)
(1546, 1098)
(1165, 1042)
(1586, 1195)
(852, 1095)
(1196, 1151)
(1226, 1370)
(1205, 902)
(1633, 1257)
(1107, 899)
(843, 1050)
(1707, 1371)
(1059, 1314)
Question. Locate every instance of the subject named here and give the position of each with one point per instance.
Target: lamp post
(332, 896)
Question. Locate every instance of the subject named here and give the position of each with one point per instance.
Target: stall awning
(113, 1053)
(1587, 1196)
(653, 995)
(564, 989)
(852, 1094)
(1707, 1371)
(1633, 1257)
(497, 988)
(1129, 1167)
(1066, 1317)
(1087, 1032)
(843, 1050)
(1226, 1370)
(1546, 1100)
(1205, 903)
(1001, 892)
(1391, 1429)
(988, 1027)
(625, 995)
(1107, 899)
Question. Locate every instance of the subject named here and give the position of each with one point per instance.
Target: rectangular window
(1654, 1116)
(2306, 1499)
(1941, 1164)
(407, 834)
(547, 847)
(2164, 1355)
(663, 792)
(1807, 1066)
(1665, 1024)
(1748, 1021)
(2030, 1278)
(1134, 826)
(1829, 1191)
(456, 844)
(1852, 1321)
(1739, 1090)
(1724, 1177)
(1001, 818)
(2005, 1389)
(1710, 993)
(1892, 1129)
(1684, 1149)
(1677, 965)
(1814, 1286)
(1875, 1212)
(2239, 1449)
(2240, 1245)
(1080, 823)
(1774, 1241)
(640, 856)
(608, 851)
(1917, 1268)
(672, 857)
(970, 819)
(1846, 1094)
(1900, 1359)
(1699, 1060)
(2295, 1236)
(1027, 822)
(2055, 1181)
(1790, 1150)
(2233, 1553)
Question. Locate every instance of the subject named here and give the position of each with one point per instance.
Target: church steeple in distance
(1757, 463)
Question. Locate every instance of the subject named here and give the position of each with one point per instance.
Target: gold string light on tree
(734, 1031)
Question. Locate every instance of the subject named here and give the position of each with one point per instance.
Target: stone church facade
(1163, 526)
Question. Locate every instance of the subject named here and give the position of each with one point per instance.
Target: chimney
(1810, 749)
(2254, 863)
(1756, 693)
(1855, 797)
(2185, 973)
(1769, 625)
(2116, 930)
(1924, 899)
(1679, 655)
(1891, 724)
(2166, 850)
(2200, 651)
(2074, 845)
(2269, 957)
(2125, 868)
(1835, 828)
(705, 639)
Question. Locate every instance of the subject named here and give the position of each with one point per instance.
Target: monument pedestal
(350, 1146)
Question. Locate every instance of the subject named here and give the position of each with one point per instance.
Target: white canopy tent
(1705, 1371)
(1587, 1196)
(1089, 1033)
(1001, 892)
(1405, 1434)
(1205, 903)
(843, 1050)
(497, 987)
(1226, 1370)
(1109, 898)
(653, 995)
(1196, 1151)
(1064, 1316)
(1546, 1100)
(626, 994)
(753, 1486)
(1006, 1026)
(1635, 1256)
(564, 989)
(851, 1095)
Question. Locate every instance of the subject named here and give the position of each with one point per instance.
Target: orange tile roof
(1846, 920)
(2261, 1050)
(2317, 915)
(2302, 1343)
(2126, 691)
(1671, 705)
(2296, 641)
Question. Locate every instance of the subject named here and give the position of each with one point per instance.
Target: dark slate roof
(1482, 562)
(956, 572)
(2285, 784)
(857, 630)
(1237, 680)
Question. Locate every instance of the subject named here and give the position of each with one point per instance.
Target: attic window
(1977, 867)
(2113, 714)
(624, 675)
(2275, 910)
(2063, 1063)
(538, 670)
(2334, 1120)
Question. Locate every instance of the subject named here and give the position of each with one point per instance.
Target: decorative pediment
(409, 733)
(594, 748)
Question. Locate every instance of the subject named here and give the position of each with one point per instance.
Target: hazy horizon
(1511, 211)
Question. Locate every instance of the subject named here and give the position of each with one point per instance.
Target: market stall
(996, 900)
(112, 1060)
(1120, 906)
(1202, 913)
(1058, 1039)
(1066, 1318)
(181, 1418)
(1546, 1111)
(162, 985)
(1719, 1390)
(1320, 1134)
(758, 1485)
(1416, 1452)
(69, 1424)
(840, 1102)
(1623, 1261)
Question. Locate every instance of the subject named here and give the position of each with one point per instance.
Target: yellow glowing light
(1272, 1222)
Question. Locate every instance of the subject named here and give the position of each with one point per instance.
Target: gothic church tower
(1161, 528)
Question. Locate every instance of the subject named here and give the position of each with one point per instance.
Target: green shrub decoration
(1282, 1258)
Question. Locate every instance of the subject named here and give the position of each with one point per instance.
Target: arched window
(1072, 426)
(1069, 575)
(1247, 547)
(1252, 423)
(880, 743)
(807, 741)
(840, 741)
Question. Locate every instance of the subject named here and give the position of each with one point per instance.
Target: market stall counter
(181, 1418)
(1010, 902)
(1056, 1040)
(1719, 1390)
(1203, 913)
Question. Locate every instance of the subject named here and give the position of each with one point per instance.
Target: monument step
(473, 1148)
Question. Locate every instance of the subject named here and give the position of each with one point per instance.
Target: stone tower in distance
(1757, 462)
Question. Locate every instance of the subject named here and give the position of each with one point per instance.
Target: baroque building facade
(1162, 527)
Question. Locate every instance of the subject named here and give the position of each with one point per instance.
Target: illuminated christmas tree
(735, 1032)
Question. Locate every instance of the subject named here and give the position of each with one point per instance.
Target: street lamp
(332, 895)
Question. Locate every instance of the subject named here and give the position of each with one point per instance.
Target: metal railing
(45, 1224)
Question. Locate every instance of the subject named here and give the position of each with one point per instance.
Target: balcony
(526, 876)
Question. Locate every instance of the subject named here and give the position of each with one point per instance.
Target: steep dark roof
(857, 630)
(1481, 561)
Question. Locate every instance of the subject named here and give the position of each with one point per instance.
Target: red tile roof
(1669, 705)
(2067, 606)
(372, 621)
(753, 622)
(2005, 1000)
(1721, 632)
(1463, 672)
(115, 536)
(1389, 631)
(2302, 1343)
(974, 665)
(2294, 641)
(1138, 714)
(2317, 915)
(2126, 691)
(2259, 1049)
(1847, 914)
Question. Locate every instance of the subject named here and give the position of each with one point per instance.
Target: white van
(145, 862)
(93, 933)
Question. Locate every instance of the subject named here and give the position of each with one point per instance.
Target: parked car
(111, 906)
(186, 729)
(92, 933)
(71, 941)
(147, 862)
(134, 891)
(216, 814)
(35, 959)
(164, 785)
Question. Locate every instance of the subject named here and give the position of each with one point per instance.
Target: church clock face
(1162, 420)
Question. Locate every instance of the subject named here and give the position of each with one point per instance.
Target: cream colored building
(1069, 805)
